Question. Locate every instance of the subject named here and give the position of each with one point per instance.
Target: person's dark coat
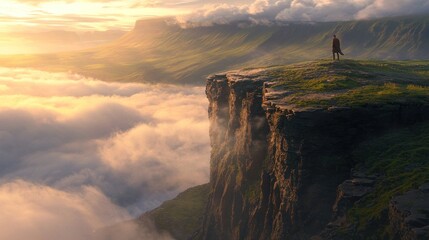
(336, 46)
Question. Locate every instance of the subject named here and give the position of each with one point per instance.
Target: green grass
(401, 157)
(386, 93)
(181, 216)
(353, 83)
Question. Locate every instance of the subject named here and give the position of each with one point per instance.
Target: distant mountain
(155, 51)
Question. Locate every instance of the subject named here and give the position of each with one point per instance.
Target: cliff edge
(319, 150)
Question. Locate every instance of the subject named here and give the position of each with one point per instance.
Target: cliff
(285, 141)
(318, 150)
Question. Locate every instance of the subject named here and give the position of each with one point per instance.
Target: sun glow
(46, 26)
(76, 15)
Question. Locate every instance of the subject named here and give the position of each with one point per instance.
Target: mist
(79, 154)
(44, 41)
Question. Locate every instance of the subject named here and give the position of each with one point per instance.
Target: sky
(79, 154)
(100, 15)
(96, 15)
(87, 15)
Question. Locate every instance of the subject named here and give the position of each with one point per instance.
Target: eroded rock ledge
(410, 214)
(277, 162)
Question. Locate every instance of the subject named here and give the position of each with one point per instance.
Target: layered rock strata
(275, 167)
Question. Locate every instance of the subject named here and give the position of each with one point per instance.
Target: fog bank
(78, 154)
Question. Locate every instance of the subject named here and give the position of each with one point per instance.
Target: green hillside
(183, 215)
(159, 52)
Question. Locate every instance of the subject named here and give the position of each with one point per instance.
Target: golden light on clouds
(79, 15)
(78, 154)
(32, 27)
(33, 15)
(146, 126)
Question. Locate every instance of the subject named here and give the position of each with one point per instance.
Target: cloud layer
(95, 15)
(80, 15)
(32, 211)
(75, 142)
(303, 10)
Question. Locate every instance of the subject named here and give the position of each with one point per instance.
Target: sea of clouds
(263, 11)
(77, 154)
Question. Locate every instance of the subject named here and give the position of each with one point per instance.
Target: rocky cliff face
(409, 214)
(238, 135)
(276, 167)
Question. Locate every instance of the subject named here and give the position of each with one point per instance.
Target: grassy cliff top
(347, 83)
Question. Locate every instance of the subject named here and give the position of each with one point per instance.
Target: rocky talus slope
(319, 150)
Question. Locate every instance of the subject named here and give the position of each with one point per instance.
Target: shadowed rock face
(409, 214)
(238, 135)
(351, 191)
(274, 169)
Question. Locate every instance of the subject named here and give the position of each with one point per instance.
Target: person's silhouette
(336, 47)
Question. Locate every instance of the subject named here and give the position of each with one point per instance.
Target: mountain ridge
(158, 51)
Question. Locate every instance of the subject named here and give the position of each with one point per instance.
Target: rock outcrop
(276, 166)
(409, 214)
(351, 191)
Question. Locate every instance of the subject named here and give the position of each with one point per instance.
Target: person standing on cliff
(336, 47)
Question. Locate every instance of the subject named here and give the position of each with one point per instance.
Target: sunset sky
(41, 15)
(79, 15)
(37, 15)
